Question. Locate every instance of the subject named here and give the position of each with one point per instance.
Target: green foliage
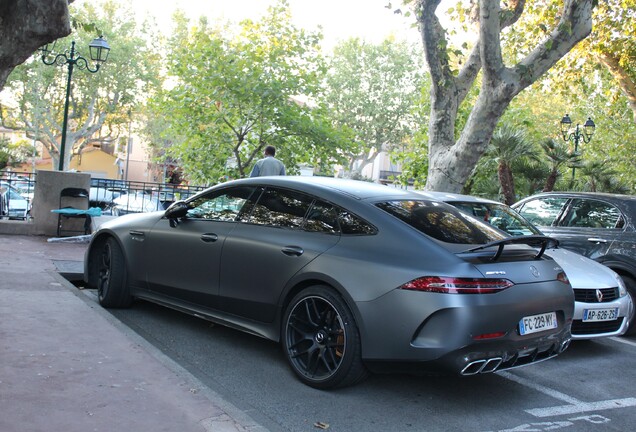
(99, 102)
(4, 152)
(372, 93)
(12, 154)
(586, 86)
(236, 92)
(598, 176)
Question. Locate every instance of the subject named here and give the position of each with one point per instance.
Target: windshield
(499, 216)
(442, 222)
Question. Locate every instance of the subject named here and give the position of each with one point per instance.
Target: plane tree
(372, 92)
(611, 45)
(99, 102)
(235, 90)
(26, 25)
(454, 153)
(596, 79)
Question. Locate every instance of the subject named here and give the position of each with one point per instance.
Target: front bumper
(599, 329)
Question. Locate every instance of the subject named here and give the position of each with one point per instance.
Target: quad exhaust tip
(565, 345)
(482, 366)
(492, 364)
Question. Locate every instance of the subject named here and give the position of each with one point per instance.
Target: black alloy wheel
(112, 291)
(321, 340)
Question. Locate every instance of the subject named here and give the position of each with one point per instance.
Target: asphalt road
(591, 387)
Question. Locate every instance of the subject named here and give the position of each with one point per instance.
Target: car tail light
(449, 285)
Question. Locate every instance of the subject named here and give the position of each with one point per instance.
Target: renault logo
(599, 295)
(534, 271)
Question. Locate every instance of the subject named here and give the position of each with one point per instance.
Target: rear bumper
(480, 359)
(463, 334)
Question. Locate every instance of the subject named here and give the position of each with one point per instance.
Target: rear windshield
(442, 222)
(499, 216)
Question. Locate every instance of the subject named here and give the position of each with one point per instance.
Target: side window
(352, 224)
(592, 214)
(224, 205)
(322, 218)
(543, 211)
(280, 208)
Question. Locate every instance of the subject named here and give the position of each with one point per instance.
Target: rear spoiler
(537, 241)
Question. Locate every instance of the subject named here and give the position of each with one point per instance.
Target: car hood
(582, 271)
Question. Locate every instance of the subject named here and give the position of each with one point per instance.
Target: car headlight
(622, 289)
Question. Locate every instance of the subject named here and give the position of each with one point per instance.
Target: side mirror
(176, 210)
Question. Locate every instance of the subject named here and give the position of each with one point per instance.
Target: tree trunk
(551, 181)
(26, 25)
(506, 181)
(452, 161)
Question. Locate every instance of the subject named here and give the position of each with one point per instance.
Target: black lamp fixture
(99, 50)
(588, 130)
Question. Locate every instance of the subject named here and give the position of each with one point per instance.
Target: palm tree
(596, 176)
(559, 156)
(507, 146)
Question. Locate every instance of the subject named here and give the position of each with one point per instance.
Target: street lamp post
(98, 49)
(577, 135)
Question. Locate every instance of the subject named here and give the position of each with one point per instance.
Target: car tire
(630, 284)
(112, 288)
(321, 340)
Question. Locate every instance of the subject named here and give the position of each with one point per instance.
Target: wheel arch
(92, 255)
(312, 280)
(619, 266)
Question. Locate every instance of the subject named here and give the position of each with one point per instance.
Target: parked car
(103, 193)
(12, 204)
(349, 276)
(103, 198)
(602, 305)
(136, 202)
(599, 226)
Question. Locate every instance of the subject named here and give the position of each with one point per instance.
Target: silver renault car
(348, 276)
(603, 305)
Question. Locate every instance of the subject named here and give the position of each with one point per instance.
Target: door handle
(596, 240)
(209, 237)
(292, 250)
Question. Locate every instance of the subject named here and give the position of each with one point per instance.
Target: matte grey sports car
(602, 307)
(349, 276)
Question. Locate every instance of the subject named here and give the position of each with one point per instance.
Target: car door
(589, 227)
(285, 231)
(542, 212)
(183, 258)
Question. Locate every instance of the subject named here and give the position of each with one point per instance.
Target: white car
(602, 305)
(136, 202)
(12, 204)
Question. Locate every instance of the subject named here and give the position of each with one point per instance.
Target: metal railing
(16, 195)
(114, 197)
(118, 197)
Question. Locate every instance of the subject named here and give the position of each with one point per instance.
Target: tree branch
(625, 82)
(435, 45)
(574, 26)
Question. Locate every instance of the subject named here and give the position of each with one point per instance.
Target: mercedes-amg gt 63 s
(350, 277)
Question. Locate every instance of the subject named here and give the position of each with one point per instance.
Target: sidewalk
(68, 365)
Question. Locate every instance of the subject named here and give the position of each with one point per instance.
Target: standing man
(269, 165)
